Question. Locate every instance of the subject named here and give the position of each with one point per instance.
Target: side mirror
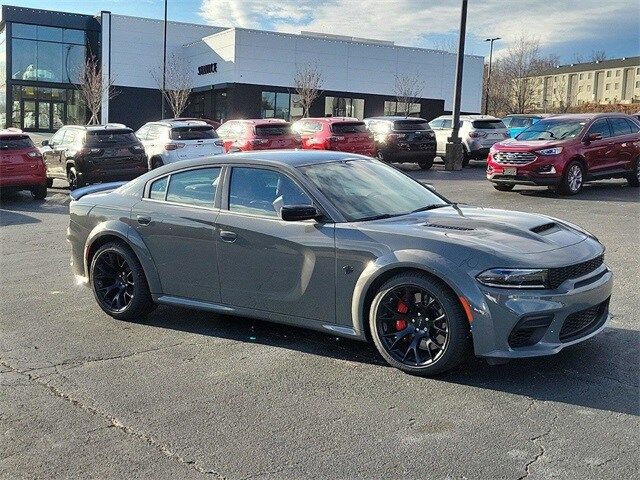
(45, 143)
(592, 137)
(295, 213)
(430, 187)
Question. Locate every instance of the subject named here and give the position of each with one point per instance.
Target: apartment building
(604, 82)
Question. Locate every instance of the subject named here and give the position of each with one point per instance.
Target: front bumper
(557, 308)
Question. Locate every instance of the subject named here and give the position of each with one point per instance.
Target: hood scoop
(449, 227)
(545, 227)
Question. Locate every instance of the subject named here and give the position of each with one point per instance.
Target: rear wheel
(119, 284)
(156, 163)
(39, 192)
(466, 158)
(49, 182)
(73, 180)
(426, 164)
(634, 177)
(380, 156)
(418, 325)
(503, 188)
(573, 179)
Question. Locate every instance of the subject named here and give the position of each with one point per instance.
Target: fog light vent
(529, 330)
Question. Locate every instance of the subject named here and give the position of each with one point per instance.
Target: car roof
(332, 119)
(525, 115)
(291, 158)
(12, 132)
(258, 121)
(395, 118)
(173, 123)
(94, 128)
(587, 116)
(469, 117)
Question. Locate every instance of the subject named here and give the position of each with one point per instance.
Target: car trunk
(274, 136)
(196, 141)
(106, 150)
(414, 130)
(14, 155)
(492, 129)
(350, 137)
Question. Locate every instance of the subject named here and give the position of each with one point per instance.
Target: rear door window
(620, 126)
(15, 142)
(348, 127)
(193, 187)
(489, 124)
(158, 189)
(193, 133)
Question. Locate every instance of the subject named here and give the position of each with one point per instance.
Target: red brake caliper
(402, 308)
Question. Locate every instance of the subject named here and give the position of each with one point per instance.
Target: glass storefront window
(277, 105)
(344, 107)
(268, 104)
(73, 36)
(400, 108)
(29, 115)
(50, 62)
(38, 108)
(24, 59)
(49, 34)
(296, 108)
(282, 105)
(22, 30)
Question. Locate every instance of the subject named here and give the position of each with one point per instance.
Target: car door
(599, 153)
(266, 263)
(52, 154)
(623, 139)
(177, 222)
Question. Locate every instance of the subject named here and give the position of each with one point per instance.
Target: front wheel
(503, 188)
(73, 180)
(634, 178)
(418, 325)
(39, 192)
(573, 179)
(119, 283)
(426, 164)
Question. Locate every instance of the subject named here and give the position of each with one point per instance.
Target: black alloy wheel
(72, 178)
(118, 282)
(426, 164)
(418, 326)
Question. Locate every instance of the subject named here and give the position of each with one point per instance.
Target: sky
(564, 28)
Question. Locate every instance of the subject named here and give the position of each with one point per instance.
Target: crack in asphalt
(541, 449)
(113, 421)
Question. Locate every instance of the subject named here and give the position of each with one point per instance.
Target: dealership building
(233, 72)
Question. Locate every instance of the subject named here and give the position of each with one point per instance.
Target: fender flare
(430, 263)
(123, 231)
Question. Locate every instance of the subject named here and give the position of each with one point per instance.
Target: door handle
(227, 236)
(143, 220)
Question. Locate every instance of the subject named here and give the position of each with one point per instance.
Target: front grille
(529, 331)
(560, 274)
(584, 322)
(514, 158)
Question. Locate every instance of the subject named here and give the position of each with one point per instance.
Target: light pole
(454, 150)
(486, 98)
(164, 59)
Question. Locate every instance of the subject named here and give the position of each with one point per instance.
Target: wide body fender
(117, 228)
(452, 272)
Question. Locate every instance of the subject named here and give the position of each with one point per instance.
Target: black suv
(92, 154)
(403, 140)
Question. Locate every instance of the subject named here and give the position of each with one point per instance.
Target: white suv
(477, 132)
(169, 141)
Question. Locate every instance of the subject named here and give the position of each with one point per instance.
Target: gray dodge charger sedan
(344, 244)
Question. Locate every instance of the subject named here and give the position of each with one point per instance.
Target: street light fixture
(486, 98)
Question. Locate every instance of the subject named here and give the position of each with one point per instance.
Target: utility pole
(486, 98)
(164, 60)
(454, 149)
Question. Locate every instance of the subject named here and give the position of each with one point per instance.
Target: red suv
(564, 151)
(21, 164)
(257, 134)
(336, 133)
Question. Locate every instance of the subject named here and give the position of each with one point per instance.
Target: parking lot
(187, 394)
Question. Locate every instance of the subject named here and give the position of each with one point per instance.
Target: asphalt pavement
(187, 394)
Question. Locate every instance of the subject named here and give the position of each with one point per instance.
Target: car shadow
(8, 217)
(600, 373)
(57, 202)
(601, 191)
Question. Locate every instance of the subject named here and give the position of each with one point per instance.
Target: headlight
(550, 151)
(514, 278)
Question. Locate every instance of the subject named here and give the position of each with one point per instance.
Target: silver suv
(478, 134)
(169, 141)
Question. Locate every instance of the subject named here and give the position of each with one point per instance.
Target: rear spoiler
(99, 187)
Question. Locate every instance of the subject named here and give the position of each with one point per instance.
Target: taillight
(173, 146)
(477, 134)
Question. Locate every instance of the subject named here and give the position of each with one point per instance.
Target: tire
(39, 192)
(72, 178)
(426, 164)
(503, 188)
(466, 158)
(380, 156)
(156, 163)
(132, 300)
(634, 178)
(49, 182)
(456, 345)
(573, 179)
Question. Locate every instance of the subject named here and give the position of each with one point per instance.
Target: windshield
(411, 125)
(193, 133)
(552, 130)
(518, 122)
(368, 189)
(15, 142)
(96, 138)
(487, 124)
(273, 130)
(345, 127)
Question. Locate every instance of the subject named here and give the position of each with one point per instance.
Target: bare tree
(449, 45)
(307, 82)
(93, 88)
(177, 84)
(561, 100)
(598, 56)
(408, 88)
(512, 88)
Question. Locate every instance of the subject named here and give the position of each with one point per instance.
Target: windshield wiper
(377, 217)
(431, 207)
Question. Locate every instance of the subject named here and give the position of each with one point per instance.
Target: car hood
(487, 229)
(512, 144)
